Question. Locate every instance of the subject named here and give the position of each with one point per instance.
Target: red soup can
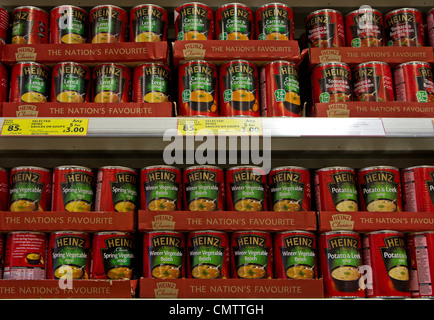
(430, 24)
(108, 24)
(29, 25)
(331, 82)
(194, 21)
(418, 188)
(251, 255)
(280, 89)
(404, 28)
(336, 189)
(25, 256)
(380, 189)
(340, 260)
(30, 82)
(414, 82)
(289, 189)
(274, 21)
(4, 189)
(73, 189)
(203, 188)
(68, 24)
(4, 23)
(148, 23)
(372, 81)
(4, 83)
(385, 253)
(163, 255)
(160, 188)
(69, 255)
(420, 246)
(246, 189)
(325, 28)
(234, 21)
(111, 83)
(151, 83)
(364, 28)
(116, 189)
(113, 255)
(2, 255)
(30, 189)
(239, 89)
(208, 255)
(197, 89)
(295, 255)
(70, 82)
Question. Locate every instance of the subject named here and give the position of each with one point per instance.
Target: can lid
(160, 166)
(378, 168)
(335, 168)
(67, 167)
(30, 7)
(117, 167)
(30, 168)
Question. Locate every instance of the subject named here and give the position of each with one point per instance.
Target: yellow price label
(45, 127)
(218, 126)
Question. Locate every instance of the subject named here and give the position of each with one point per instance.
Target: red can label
(208, 255)
(163, 255)
(112, 256)
(289, 189)
(280, 90)
(160, 188)
(68, 24)
(148, 23)
(108, 24)
(418, 188)
(116, 189)
(4, 83)
(295, 255)
(25, 256)
(30, 189)
(234, 21)
(203, 188)
(151, 83)
(70, 82)
(73, 189)
(404, 28)
(194, 21)
(331, 82)
(4, 23)
(325, 28)
(380, 189)
(372, 81)
(274, 21)
(412, 267)
(4, 189)
(111, 83)
(364, 28)
(340, 258)
(239, 89)
(336, 189)
(251, 255)
(30, 82)
(385, 252)
(29, 25)
(430, 23)
(414, 82)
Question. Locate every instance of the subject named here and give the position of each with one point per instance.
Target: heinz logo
(379, 176)
(25, 177)
(161, 175)
(342, 177)
(70, 241)
(343, 241)
(286, 177)
(206, 240)
(297, 240)
(394, 242)
(166, 240)
(318, 19)
(119, 242)
(78, 177)
(251, 240)
(200, 175)
(246, 175)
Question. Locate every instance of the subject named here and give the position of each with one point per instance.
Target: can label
(4, 81)
(414, 82)
(69, 24)
(151, 83)
(274, 21)
(29, 83)
(108, 24)
(331, 82)
(148, 23)
(4, 23)
(325, 28)
(252, 255)
(208, 255)
(364, 28)
(4, 190)
(203, 188)
(380, 189)
(294, 254)
(373, 82)
(163, 256)
(404, 28)
(194, 21)
(421, 244)
(234, 22)
(418, 187)
(29, 25)
(111, 83)
(160, 188)
(112, 256)
(430, 24)
(71, 82)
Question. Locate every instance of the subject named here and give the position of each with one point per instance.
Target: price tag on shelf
(44, 127)
(218, 126)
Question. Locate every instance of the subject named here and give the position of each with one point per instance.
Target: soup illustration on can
(148, 23)
(331, 82)
(70, 82)
(418, 188)
(160, 188)
(372, 81)
(194, 21)
(364, 28)
(274, 21)
(29, 25)
(111, 83)
(151, 83)
(325, 29)
(380, 189)
(404, 28)
(414, 82)
(68, 24)
(234, 21)
(208, 254)
(108, 24)
(163, 255)
(295, 255)
(30, 82)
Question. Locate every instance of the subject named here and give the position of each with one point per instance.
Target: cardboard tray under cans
(231, 288)
(226, 220)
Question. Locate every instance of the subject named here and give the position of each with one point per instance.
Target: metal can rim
(419, 166)
(118, 167)
(203, 167)
(296, 231)
(333, 63)
(364, 9)
(400, 9)
(378, 167)
(69, 6)
(322, 10)
(251, 231)
(413, 62)
(194, 3)
(207, 231)
(30, 167)
(289, 167)
(69, 232)
(371, 62)
(335, 168)
(30, 7)
(291, 63)
(160, 166)
(26, 232)
(384, 231)
(67, 167)
(108, 6)
(148, 5)
(103, 233)
(275, 4)
(243, 167)
(335, 232)
(233, 4)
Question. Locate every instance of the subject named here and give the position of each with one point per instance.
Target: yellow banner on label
(219, 126)
(45, 127)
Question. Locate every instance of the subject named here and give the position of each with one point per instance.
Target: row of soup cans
(210, 188)
(364, 27)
